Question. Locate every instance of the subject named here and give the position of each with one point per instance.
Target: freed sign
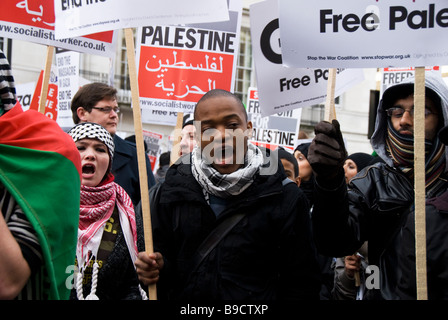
(351, 22)
(363, 33)
(281, 88)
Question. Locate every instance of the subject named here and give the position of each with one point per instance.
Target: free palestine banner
(363, 33)
(281, 88)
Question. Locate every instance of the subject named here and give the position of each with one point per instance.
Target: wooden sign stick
(177, 134)
(330, 111)
(330, 114)
(419, 183)
(143, 175)
(46, 79)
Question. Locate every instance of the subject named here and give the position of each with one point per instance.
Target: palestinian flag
(40, 166)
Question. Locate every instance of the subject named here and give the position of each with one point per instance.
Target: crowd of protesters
(230, 220)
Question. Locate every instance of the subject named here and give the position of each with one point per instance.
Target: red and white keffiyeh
(97, 206)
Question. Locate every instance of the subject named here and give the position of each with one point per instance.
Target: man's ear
(81, 112)
(249, 129)
(298, 181)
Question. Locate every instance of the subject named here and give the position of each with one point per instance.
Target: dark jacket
(125, 169)
(381, 211)
(378, 207)
(436, 251)
(269, 254)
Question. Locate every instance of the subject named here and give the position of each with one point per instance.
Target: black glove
(327, 153)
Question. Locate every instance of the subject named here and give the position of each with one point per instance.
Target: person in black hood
(267, 252)
(378, 205)
(305, 171)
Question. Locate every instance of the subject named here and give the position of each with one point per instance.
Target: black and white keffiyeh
(92, 130)
(226, 185)
(8, 97)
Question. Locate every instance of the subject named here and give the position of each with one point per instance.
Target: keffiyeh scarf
(226, 185)
(7, 88)
(401, 150)
(97, 206)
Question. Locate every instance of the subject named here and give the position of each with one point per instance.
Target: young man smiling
(266, 254)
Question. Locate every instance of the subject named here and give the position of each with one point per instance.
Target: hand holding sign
(327, 153)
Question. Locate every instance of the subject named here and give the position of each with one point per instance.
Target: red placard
(182, 75)
(33, 20)
(51, 104)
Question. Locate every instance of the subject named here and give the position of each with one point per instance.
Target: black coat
(378, 207)
(125, 169)
(269, 254)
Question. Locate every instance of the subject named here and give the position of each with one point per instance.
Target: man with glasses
(378, 205)
(97, 102)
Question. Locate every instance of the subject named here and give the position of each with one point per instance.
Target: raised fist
(327, 153)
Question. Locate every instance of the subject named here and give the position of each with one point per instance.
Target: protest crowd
(229, 220)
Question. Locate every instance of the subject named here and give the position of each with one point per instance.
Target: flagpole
(177, 134)
(143, 175)
(330, 111)
(419, 183)
(46, 79)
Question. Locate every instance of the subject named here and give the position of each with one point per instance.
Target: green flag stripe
(47, 187)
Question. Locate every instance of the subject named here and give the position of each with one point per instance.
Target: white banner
(393, 76)
(363, 33)
(67, 63)
(281, 88)
(79, 17)
(25, 93)
(280, 129)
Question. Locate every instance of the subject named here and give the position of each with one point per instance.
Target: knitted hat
(188, 119)
(361, 159)
(92, 130)
(303, 148)
(283, 154)
(164, 158)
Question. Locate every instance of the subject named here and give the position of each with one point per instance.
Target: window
(124, 82)
(244, 65)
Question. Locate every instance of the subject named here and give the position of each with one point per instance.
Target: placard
(34, 21)
(363, 33)
(272, 131)
(79, 17)
(281, 88)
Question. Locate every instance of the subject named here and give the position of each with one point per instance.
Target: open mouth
(88, 169)
(224, 155)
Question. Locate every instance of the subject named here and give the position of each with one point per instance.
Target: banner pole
(46, 79)
(177, 134)
(330, 111)
(143, 175)
(419, 183)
